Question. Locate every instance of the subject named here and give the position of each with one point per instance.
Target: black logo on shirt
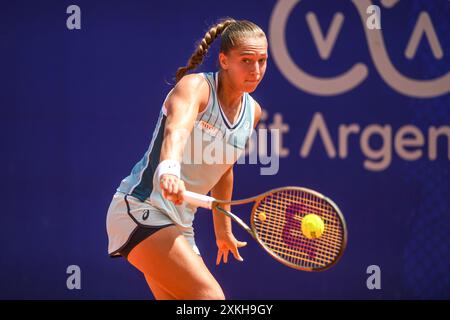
(146, 214)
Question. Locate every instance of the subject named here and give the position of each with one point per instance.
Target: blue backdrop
(78, 109)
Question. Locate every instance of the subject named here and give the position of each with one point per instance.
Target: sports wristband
(168, 167)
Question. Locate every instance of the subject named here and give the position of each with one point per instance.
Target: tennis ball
(312, 226)
(262, 216)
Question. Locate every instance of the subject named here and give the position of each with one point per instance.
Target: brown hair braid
(232, 32)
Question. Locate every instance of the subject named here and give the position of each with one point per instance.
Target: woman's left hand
(226, 243)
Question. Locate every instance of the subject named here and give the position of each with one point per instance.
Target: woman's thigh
(167, 259)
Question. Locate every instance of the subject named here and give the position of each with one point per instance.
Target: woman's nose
(255, 70)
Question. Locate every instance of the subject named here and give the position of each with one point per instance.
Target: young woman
(147, 222)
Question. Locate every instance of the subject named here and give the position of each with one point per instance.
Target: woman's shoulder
(193, 84)
(195, 81)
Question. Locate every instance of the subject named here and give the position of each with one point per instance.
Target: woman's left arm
(223, 190)
(225, 239)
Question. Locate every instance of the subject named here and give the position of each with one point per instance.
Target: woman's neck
(229, 98)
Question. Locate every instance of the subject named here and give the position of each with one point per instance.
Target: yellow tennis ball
(312, 226)
(262, 216)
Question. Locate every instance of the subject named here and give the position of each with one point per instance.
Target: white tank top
(213, 147)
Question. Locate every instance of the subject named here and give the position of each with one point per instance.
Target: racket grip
(198, 200)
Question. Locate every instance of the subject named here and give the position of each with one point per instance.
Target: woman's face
(246, 64)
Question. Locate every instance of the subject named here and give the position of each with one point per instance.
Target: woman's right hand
(172, 188)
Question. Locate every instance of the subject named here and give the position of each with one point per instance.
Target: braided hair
(231, 31)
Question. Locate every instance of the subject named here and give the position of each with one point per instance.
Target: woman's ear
(223, 61)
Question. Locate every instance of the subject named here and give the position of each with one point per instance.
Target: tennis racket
(275, 223)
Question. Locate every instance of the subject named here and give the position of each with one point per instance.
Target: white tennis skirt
(124, 217)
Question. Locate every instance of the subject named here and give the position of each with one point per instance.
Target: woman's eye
(246, 60)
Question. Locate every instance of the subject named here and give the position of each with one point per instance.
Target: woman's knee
(208, 292)
(202, 291)
(216, 295)
(169, 260)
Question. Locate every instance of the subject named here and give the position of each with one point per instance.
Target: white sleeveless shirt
(212, 148)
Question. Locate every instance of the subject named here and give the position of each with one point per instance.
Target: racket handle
(198, 200)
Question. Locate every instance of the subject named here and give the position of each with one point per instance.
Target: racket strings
(295, 232)
(327, 241)
(280, 231)
(333, 228)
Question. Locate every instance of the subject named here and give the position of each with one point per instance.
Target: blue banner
(358, 91)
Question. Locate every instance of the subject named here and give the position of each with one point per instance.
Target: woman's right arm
(188, 98)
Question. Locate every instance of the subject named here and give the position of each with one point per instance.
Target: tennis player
(147, 222)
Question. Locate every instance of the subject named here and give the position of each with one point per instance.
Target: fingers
(172, 188)
(175, 188)
(219, 257)
(235, 251)
(225, 248)
(241, 244)
(164, 184)
(181, 189)
(222, 253)
(225, 256)
(236, 254)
